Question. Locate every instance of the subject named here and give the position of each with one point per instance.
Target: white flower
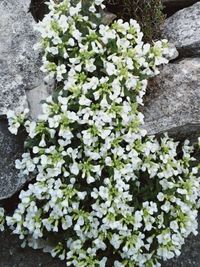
(75, 10)
(92, 8)
(160, 196)
(115, 241)
(63, 23)
(102, 263)
(90, 179)
(106, 33)
(105, 133)
(42, 142)
(174, 226)
(16, 120)
(71, 42)
(82, 195)
(10, 114)
(89, 65)
(61, 69)
(118, 264)
(123, 43)
(76, 35)
(166, 206)
(110, 68)
(98, 2)
(74, 168)
(67, 222)
(53, 50)
(84, 101)
(56, 40)
(14, 128)
(131, 83)
(31, 128)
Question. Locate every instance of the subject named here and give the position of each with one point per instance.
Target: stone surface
(107, 17)
(179, 2)
(36, 96)
(183, 29)
(12, 255)
(172, 101)
(19, 72)
(175, 53)
(11, 148)
(19, 64)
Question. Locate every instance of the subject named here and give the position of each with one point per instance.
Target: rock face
(172, 104)
(19, 75)
(19, 64)
(11, 255)
(11, 148)
(183, 29)
(35, 97)
(179, 2)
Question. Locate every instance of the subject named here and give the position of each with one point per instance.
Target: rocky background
(171, 104)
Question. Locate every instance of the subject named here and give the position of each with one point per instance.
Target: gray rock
(179, 2)
(11, 148)
(12, 255)
(19, 64)
(183, 29)
(172, 101)
(107, 17)
(19, 72)
(174, 53)
(36, 96)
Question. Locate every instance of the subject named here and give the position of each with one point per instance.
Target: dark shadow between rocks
(171, 7)
(38, 9)
(11, 148)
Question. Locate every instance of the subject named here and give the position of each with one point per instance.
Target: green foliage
(148, 13)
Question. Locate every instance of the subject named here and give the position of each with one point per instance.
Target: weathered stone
(172, 102)
(179, 2)
(183, 29)
(19, 64)
(11, 148)
(35, 97)
(174, 53)
(107, 17)
(11, 255)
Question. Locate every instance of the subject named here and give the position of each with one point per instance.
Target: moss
(147, 12)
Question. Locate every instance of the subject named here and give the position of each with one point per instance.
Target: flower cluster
(104, 193)
(16, 120)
